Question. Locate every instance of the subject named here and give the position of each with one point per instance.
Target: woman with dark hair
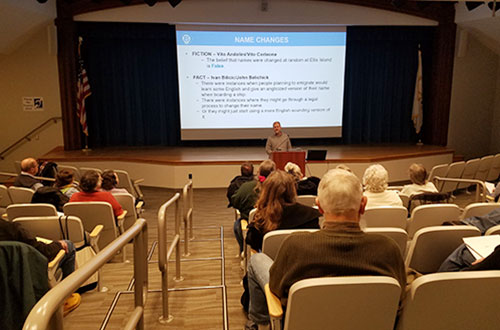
(90, 183)
(110, 181)
(65, 182)
(277, 208)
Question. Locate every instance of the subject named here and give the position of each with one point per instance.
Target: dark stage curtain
(132, 70)
(381, 67)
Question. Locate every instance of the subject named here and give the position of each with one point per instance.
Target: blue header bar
(230, 38)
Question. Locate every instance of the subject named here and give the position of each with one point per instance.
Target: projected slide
(235, 84)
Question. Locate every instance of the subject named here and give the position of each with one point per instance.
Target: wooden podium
(283, 157)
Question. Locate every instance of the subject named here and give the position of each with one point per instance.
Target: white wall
(30, 70)
(475, 113)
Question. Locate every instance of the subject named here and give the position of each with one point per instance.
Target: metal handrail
(164, 254)
(187, 214)
(479, 185)
(28, 136)
(41, 313)
(36, 177)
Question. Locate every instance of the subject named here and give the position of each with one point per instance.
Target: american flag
(83, 91)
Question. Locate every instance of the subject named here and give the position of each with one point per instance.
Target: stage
(214, 167)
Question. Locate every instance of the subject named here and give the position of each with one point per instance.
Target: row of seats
(443, 301)
(422, 215)
(486, 168)
(322, 298)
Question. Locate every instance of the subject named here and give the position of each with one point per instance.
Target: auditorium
(174, 105)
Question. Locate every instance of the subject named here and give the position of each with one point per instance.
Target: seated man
(90, 183)
(340, 248)
(245, 197)
(29, 168)
(246, 175)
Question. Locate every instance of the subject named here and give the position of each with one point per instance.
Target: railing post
(185, 218)
(178, 276)
(139, 274)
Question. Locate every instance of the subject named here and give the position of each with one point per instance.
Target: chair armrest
(490, 198)
(137, 181)
(94, 237)
(122, 216)
(53, 266)
(274, 307)
(57, 259)
(138, 207)
(5, 217)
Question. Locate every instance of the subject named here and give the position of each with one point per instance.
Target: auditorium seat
(469, 172)
(438, 170)
(133, 211)
(484, 168)
(451, 301)
(20, 195)
(343, 303)
(97, 213)
(273, 239)
(132, 186)
(454, 171)
(86, 169)
(431, 215)
(76, 172)
(432, 245)
(27, 210)
(385, 216)
(4, 198)
(308, 200)
(495, 230)
(400, 236)
(67, 227)
(478, 209)
(495, 169)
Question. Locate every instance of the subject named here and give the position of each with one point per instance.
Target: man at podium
(279, 141)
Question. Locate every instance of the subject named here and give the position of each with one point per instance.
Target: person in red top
(90, 183)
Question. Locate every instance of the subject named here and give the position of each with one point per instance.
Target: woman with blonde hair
(375, 182)
(419, 183)
(277, 208)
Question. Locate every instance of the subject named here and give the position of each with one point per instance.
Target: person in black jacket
(246, 175)
(277, 208)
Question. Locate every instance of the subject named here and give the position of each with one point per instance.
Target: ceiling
(19, 19)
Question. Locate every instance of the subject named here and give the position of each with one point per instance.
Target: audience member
(50, 195)
(305, 185)
(279, 141)
(277, 208)
(246, 170)
(90, 183)
(110, 182)
(245, 197)
(462, 259)
(29, 169)
(340, 248)
(12, 231)
(375, 181)
(65, 182)
(419, 183)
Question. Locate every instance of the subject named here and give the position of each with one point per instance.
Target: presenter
(279, 141)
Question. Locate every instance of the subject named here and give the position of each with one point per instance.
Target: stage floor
(237, 155)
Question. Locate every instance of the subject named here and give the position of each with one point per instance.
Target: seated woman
(109, 183)
(65, 183)
(90, 183)
(305, 185)
(277, 209)
(375, 181)
(419, 184)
